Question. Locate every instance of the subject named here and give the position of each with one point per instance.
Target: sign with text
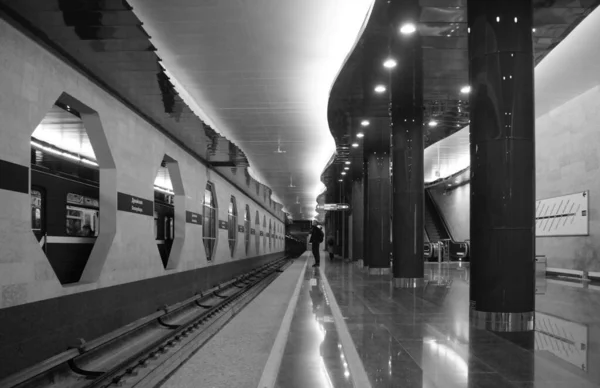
(334, 207)
(222, 224)
(241, 228)
(193, 218)
(566, 215)
(262, 233)
(137, 205)
(252, 231)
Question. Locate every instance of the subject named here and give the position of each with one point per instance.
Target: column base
(379, 271)
(503, 322)
(408, 282)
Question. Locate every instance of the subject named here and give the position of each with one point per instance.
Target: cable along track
(144, 353)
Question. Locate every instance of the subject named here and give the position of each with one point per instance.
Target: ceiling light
(360, 134)
(465, 90)
(365, 123)
(340, 180)
(380, 88)
(343, 172)
(390, 63)
(433, 123)
(408, 28)
(354, 145)
(348, 162)
(346, 168)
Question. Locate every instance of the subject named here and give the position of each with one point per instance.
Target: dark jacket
(316, 235)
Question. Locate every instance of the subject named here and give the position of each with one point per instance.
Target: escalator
(434, 226)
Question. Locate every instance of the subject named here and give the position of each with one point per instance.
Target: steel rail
(239, 285)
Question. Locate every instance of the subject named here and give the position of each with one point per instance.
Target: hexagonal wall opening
(168, 190)
(68, 153)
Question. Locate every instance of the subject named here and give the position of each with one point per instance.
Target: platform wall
(568, 161)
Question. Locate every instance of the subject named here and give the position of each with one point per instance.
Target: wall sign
(262, 233)
(222, 224)
(14, 177)
(193, 218)
(129, 203)
(252, 231)
(566, 215)
(565, 339)
(241, 228)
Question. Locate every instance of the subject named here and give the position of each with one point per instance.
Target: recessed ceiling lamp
(355, 145)
(343, 172)
(408, 28)
(365, 123)
(465, 90)
(346, 168)
(433, 123)
(347, 162)
(360, 134)
(340, 180)
(380, 89)
(390, 63)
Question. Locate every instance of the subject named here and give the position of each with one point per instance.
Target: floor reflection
(422, 338)
(313, 355)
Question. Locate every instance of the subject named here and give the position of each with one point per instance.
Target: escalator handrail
(441, 218)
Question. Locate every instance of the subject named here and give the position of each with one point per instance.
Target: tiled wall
(31, 80)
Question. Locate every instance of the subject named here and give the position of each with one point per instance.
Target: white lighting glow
(308, 45)
(64, 154)
(380, 89)
(348, 162)
(365, 123)
(360, 134)
(433, 123)
(355, 145)
(465, 90)
(346, 168)
(343, 172)
(390, 63)
(408, 28)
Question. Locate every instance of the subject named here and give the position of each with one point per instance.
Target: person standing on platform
(316, 238)
(330, 244)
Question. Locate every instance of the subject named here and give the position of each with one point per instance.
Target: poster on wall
(566, 215)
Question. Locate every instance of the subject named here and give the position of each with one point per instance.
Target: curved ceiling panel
(260, 73)
(442, 26)
(569, 70)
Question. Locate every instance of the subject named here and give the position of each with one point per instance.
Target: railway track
(144, 353)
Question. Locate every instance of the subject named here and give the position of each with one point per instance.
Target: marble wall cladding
(31, 80)
(567, 161)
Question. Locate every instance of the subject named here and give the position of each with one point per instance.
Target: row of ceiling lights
(390, 63)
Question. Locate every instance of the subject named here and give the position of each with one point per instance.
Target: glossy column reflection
(502, 164)
(407, 147)
(377, 191)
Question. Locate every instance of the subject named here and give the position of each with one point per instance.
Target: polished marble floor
(313, 355)
(422, 338)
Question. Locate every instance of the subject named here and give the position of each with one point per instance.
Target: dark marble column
(357, 219)
(377, 220)
(502, 164)
(407, 148)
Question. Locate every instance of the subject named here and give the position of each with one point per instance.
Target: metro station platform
(344, 328)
